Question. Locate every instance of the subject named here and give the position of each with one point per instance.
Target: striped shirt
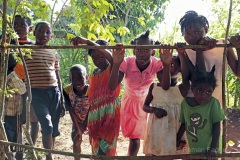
(41, 68)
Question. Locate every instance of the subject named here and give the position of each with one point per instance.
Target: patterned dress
(104, 114)
(79, 106)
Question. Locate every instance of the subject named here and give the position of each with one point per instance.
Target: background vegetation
(117, 21)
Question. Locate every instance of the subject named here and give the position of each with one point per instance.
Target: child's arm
(166, 58)
(148, 100)
(185, 69)
(116, 75)
(78, 132)
(180, 132)
(61, 92)
(80, 40)
(159, 112)
(233, 60)
(215, 135)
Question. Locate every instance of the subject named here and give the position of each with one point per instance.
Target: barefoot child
(201, 115)
(138, 72)
(163, 107)
(43, 69)
(104, 112)
(76, 99)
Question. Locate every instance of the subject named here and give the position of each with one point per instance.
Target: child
(43, 69)
(13, 108)
(22, 26)
(194, 28)
(138, 72)
(76, 99)
(104, 112)
(201, 115)
(164, 112)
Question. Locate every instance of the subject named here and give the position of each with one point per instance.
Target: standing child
(163, 107)
(104, 112)
(194, 28)
(201, 115)
(138, 72)
(22, 26)
(76, 99)
(13, 108)
(43, 69)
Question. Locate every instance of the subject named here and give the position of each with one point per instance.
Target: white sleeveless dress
(161, 133)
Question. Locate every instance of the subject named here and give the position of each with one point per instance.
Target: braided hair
(203, 77)
(144, 36)
(192, 17)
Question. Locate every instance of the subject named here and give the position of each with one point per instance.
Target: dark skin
(202, 94)
(196, 34)
(142, 60)
(102, 58)
(78, 80)
(43, 35)
(159, 112)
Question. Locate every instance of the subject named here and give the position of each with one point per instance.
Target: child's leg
(77, 147)
(34, 125)
(34, 131)
(133, 148)
(48, 144)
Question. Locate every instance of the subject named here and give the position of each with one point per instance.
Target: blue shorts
(46, 105)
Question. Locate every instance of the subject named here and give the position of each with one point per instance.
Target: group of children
(159, 113)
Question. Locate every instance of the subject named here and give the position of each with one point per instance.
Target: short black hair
(41, 23)
(79, 68)
(27, 19)
(203, 77)
(101, 42)
(192, 17)
(144, 36)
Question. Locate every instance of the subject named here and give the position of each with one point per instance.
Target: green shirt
(199, 121)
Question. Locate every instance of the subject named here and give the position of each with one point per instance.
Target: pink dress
(136, 85)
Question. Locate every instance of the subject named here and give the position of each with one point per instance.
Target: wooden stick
(113, 47)
(224, 131)
(180, 156)
(4, 150)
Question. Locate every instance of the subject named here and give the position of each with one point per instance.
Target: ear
(206, 29)
(134, 50)
(30, 29)
(153, 52)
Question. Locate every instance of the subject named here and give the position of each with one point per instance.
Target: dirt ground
(64, 142)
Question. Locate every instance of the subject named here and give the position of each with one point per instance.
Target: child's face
(99, 60)
(194, 33)
(43, 34)
(21, 27)
(78, 80)
(175, 66)
(202, 93)
(143, 55)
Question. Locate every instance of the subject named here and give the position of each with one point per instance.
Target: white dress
(160, 136)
